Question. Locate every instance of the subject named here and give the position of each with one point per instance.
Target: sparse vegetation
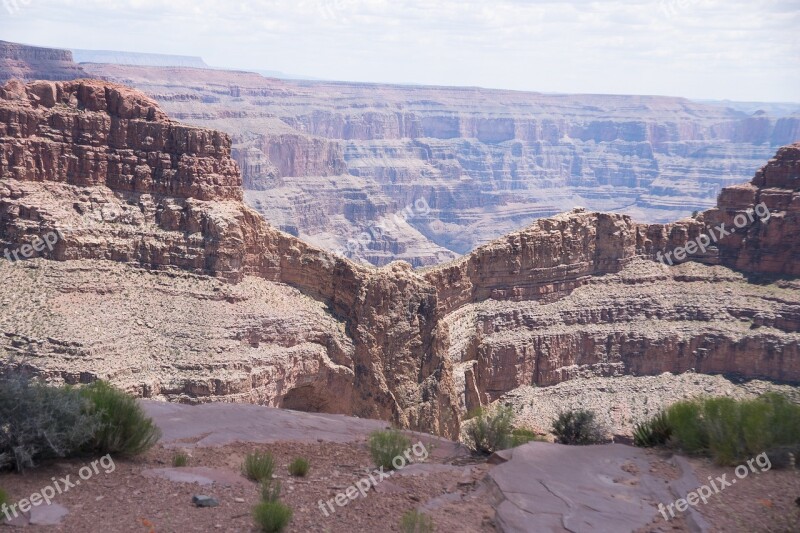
(180, 459)
(299, 467)
(734, 430)
(125, 428)
(4, 500)
(259, 466)
(653, 432)
(41, 422)
(384, 446)
(270, 490)
(489, 431)
(272, 516)
(416, 522)
(578, 428)
(522, 436)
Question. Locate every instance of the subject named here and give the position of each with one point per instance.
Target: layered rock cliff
(30, 63)
(577, 294)
(486, 162)
(102, 165)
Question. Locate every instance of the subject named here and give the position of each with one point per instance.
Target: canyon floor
(611, 487)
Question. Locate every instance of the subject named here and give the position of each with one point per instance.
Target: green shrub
(384, 446)
(259, 466)
(653, 432)
(272, 516)
(270, 490)
(5, 499)
(125, 428)
(731, 431)
(685, 420)
(180, 459)
(299, 467)
(522, 436)
(578, 428)
(490, 431)
(416, 522)
(40, 422)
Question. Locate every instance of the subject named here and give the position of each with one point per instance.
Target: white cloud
(738, 49)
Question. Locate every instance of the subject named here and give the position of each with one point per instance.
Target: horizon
(694, 49)
(303, 78)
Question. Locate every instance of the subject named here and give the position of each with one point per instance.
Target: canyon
(166, 283)
(339, 164)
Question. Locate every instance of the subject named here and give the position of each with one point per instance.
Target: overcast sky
(717, 49)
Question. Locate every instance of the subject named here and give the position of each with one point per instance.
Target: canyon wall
(487, 162)
(132, 193)
(100, 164)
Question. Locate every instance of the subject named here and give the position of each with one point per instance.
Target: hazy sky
(717, 49)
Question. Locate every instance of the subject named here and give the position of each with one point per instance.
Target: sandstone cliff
(577, 294)
(103, 165)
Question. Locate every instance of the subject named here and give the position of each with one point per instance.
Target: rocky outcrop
(103, 167)
(765, 245)
(30, 63)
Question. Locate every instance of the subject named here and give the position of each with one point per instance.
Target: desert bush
(734, 430)
(685, 421)
(384, 446)
(4, 500)
(490, 431)
(180, 459)
(578, 428)
(416, 522)
(520, 436)
(299, 467)
(653, 432)
(270, 490)
(272, 516)
(259, 466)
(41, 422)
(125, 428)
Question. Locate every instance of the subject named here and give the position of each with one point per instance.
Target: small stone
(204, 501)
(239, 500)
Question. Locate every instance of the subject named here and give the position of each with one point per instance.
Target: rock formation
(487, 162)
(230, 309)
(34, 63)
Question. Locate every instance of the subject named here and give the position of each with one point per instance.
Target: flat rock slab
(577, 489)
(42, 515)
(219, 424)
(201, 475)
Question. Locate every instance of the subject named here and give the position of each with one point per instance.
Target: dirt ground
(134, 499)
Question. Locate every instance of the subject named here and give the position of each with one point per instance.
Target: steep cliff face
(579, 295)
(770, 246)
(123, 187)
(102, 165)
(34, 63)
